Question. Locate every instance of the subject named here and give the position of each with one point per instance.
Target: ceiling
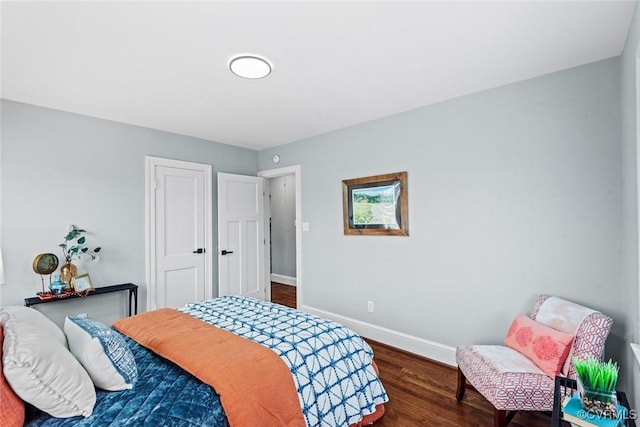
(164, 65)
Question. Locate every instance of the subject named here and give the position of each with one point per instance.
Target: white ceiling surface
(164, 65)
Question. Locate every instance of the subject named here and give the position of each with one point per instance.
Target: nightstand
(566, 387)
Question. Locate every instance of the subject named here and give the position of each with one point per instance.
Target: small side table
(566, 387)
(133, 296)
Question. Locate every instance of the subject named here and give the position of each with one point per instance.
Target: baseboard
(285, 280)
(432, 350)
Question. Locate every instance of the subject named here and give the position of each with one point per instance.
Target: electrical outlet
(370, 306)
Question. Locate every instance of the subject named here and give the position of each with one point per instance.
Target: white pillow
(36, 319)
(103, 353)
(44, 373)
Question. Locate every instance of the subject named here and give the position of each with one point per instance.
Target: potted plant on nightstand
(74, 247)
(597, 386)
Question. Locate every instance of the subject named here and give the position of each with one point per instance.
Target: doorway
(284, 251)
(281, 197)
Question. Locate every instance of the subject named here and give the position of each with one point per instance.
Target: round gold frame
(45, 263)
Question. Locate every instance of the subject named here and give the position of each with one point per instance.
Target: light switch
(305, 226)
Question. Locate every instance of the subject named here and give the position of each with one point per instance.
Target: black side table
(133, 296)
(566, 387)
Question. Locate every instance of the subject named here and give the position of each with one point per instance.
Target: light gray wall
(282, 191)
(60, 168)
(630, 98)
(513, 192)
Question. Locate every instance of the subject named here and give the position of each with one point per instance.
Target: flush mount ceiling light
(250, 67)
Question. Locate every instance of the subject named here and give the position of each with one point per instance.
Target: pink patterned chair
(510, 380)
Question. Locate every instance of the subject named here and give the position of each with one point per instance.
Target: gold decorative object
(45, 264)
(82, 284)
(67, 272)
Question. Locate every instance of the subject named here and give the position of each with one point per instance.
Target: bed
(328, 368)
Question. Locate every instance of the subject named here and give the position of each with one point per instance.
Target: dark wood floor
(422, 392)
(283, 294)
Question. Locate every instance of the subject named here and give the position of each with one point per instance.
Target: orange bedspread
(254, 384)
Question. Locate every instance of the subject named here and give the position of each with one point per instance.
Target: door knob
(225, 252)
(199, 251)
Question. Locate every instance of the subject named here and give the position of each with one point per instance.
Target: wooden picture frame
(81, 283)
(376, 205)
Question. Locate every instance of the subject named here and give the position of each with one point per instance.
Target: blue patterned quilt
(331, 365)
(164, 395)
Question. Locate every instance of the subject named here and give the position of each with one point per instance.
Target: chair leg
(499, 418)
(462, 385)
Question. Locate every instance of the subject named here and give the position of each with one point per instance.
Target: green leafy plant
(598, 376)
(75, 247)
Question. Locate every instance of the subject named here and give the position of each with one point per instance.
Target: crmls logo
(632, 415)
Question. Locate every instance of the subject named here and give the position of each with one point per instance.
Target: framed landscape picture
(376, 205)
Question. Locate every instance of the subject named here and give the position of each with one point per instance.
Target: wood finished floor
(422, 392)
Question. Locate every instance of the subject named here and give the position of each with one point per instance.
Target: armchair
(511, 381)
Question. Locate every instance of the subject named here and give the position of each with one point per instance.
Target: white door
(241, 240)
(179, 223)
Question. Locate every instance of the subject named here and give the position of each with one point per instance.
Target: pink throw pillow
(548, 348)
(11, 406)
